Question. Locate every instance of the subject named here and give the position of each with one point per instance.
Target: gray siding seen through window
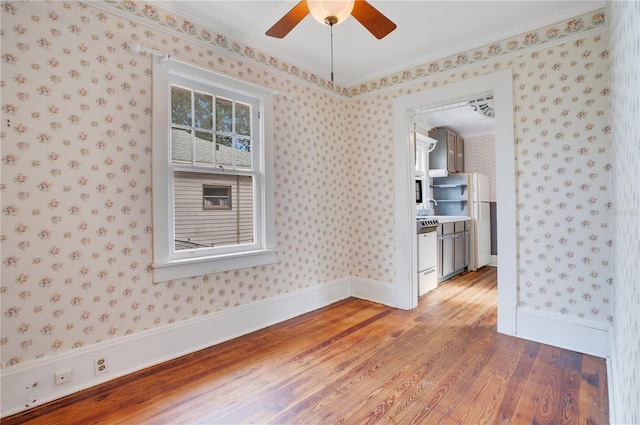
(197, 226)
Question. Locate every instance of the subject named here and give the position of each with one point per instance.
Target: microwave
(418, 191)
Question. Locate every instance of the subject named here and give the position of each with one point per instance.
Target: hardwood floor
(356, 362)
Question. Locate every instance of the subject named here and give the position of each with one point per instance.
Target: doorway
(501, 86)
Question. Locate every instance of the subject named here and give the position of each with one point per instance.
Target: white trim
(32, 384)
(374, 291)
(167, 263)
(178, 269)
(571, 333)
(406, 243)
(135, 352)
(501, 85)
(508, 278)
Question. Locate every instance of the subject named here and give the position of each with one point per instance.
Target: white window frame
(169, 264)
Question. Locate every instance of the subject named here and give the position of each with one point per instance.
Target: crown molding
(478, 43)
(585, 20)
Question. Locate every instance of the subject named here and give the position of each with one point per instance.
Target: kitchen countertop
(445, 218)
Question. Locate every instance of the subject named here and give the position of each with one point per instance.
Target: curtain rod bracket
(279, 93)
(139, 48)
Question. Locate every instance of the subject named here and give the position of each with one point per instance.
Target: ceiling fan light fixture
(330, 12)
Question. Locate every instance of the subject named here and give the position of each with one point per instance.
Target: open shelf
(462, 187)
(461, 201)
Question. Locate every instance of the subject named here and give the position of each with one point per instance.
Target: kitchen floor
(467, 298)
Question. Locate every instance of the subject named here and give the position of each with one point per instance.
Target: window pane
(224, 115)
(180, 106)
(224, 151)
(243, 119)
(203, 110)
(216, 197)
(181, 146)
(196, 226)
(204, 148)
(243, 154)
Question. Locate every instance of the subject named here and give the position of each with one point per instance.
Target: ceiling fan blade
(289, 21)
(370, 18)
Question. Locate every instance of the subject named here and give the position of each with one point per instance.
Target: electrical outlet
(31, 398)
(100, 365)
(63, 376)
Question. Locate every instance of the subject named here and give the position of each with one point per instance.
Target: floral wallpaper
(489, 53)
(480, 157)
(76, 184)
(563, 165)
(76, 177)
(563, 170)
(625, 110)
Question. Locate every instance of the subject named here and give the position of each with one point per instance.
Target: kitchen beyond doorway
(500, 85)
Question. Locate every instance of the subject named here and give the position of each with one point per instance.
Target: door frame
(406, 274)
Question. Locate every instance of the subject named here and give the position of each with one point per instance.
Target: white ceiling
(427, 30)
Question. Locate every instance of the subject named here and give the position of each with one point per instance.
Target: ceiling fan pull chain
(331, 27)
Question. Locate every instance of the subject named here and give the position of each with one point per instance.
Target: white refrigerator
(479, 210)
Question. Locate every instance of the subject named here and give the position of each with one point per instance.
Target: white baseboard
(575, 334)
(374, 291)
(32, 384)
(494, 261)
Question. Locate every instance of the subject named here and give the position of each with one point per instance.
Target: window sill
(182, 269)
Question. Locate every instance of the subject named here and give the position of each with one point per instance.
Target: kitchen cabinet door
(458, 247)
(451, 152)
(459, 154)
(447, 255)
(467, 248)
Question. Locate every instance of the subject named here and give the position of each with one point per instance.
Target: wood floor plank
(399, 356)
(515, 386)
(529, 403)
(290, 362)
(443, 394)
(592, 390)
(326, 364)
(399, 392)
(568, 397)
(484, 396)
(555, 393)
(357, 362)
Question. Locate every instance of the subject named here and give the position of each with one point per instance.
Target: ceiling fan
(332, 12)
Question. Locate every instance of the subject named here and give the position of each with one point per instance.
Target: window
(216, 197)
(212, 173)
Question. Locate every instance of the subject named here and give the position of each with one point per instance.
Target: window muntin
(192, 131)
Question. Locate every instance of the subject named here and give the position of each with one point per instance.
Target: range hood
(429, 141)
(429, 144)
